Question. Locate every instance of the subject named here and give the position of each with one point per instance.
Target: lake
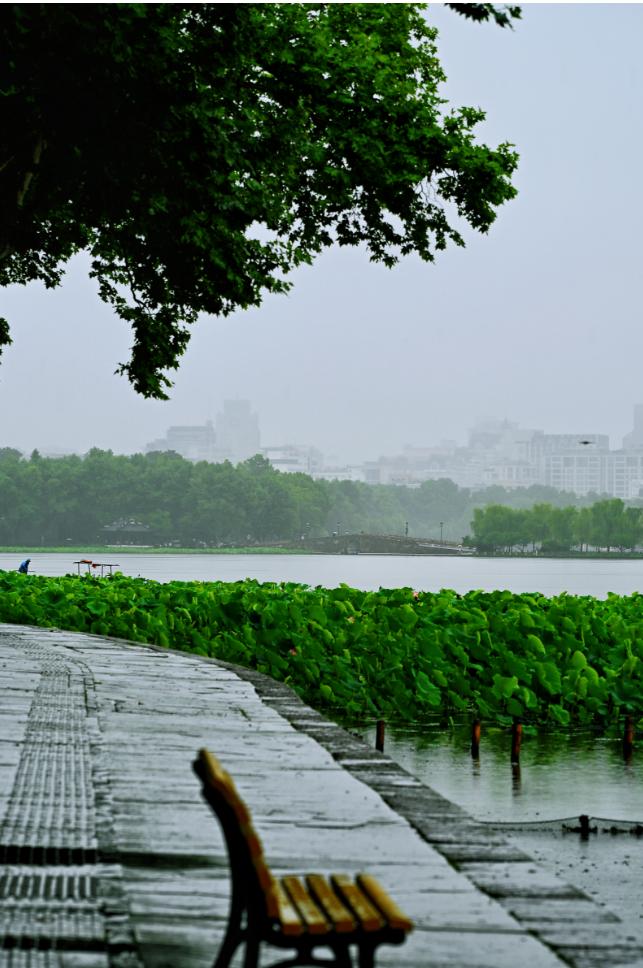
(423, 572)
(560, 776)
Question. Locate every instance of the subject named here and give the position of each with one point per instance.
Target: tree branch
(28, 178)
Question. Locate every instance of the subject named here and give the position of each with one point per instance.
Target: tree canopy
(604, 525)
(202, 152)
(160, 498)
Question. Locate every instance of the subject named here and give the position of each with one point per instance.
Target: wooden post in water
(475, 739)
(516, 739)
(628, 737)
(379, 736)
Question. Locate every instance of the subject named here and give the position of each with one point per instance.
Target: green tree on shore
(158, 498)
(605, 525)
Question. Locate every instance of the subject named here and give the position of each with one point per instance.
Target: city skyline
(436, 441)
(497, 452)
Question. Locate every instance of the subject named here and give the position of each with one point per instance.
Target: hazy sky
(540, 321)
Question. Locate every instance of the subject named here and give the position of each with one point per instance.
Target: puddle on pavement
(560, 777)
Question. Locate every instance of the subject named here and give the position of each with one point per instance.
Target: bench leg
(366, 956)
(343, 957)
(251, 958)
(231, 942)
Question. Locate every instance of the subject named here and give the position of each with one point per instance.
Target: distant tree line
(160, 498)
(606, 525)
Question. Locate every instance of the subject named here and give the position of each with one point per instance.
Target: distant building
(624, 474)
(347, 473)
(544, 444)
(634, 440)
(510, 474)
(294, 459)
(237, 431)
(194, 443)
(499, 452)
(582, 473)
(235, 438)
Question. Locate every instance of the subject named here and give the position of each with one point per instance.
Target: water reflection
(516, 785)
(557, 775)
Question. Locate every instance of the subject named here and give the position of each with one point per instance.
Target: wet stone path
(110, 859)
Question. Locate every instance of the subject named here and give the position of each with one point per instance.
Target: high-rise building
(235, 438)
(237, 430)
(634, 440)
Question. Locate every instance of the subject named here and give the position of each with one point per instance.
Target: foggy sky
(540, 321)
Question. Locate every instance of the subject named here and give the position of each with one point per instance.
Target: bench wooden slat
(314, 918)
(376, 893)
(336, 912)
(351, 894)
(289, 918)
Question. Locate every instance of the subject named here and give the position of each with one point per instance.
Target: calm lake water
(560, 776)
(426, 573)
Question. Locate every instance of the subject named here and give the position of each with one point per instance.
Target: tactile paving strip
(56, 899)
(51, 804)
(37, 958)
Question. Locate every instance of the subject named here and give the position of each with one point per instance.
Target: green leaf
(549, 677)
(559, 714)
(504, 686)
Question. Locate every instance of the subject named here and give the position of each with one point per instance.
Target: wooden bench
(303, 914)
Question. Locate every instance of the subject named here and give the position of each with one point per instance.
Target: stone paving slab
(517, 879)
(101, 735)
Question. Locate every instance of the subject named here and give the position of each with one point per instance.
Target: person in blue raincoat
(24, 566)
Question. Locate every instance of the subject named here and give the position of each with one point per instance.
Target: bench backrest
(251, 876)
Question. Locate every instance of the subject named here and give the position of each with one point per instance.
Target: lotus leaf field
(393, 653)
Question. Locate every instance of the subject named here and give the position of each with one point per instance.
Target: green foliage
(606, 525)
(502, 16)
(202, 152)
(47, 501)
(394, 653)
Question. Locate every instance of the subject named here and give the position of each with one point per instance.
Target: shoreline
(281, 550)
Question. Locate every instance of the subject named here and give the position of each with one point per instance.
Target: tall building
(634, 440)
(237, 430)
(235, 438)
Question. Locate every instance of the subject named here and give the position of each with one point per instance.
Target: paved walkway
(110, 858)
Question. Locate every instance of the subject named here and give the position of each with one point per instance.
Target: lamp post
(441, 526)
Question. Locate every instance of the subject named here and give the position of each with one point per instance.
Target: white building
(194, 443)
(347, 473)
(294, 459)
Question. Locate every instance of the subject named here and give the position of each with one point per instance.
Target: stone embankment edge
(575, 927)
